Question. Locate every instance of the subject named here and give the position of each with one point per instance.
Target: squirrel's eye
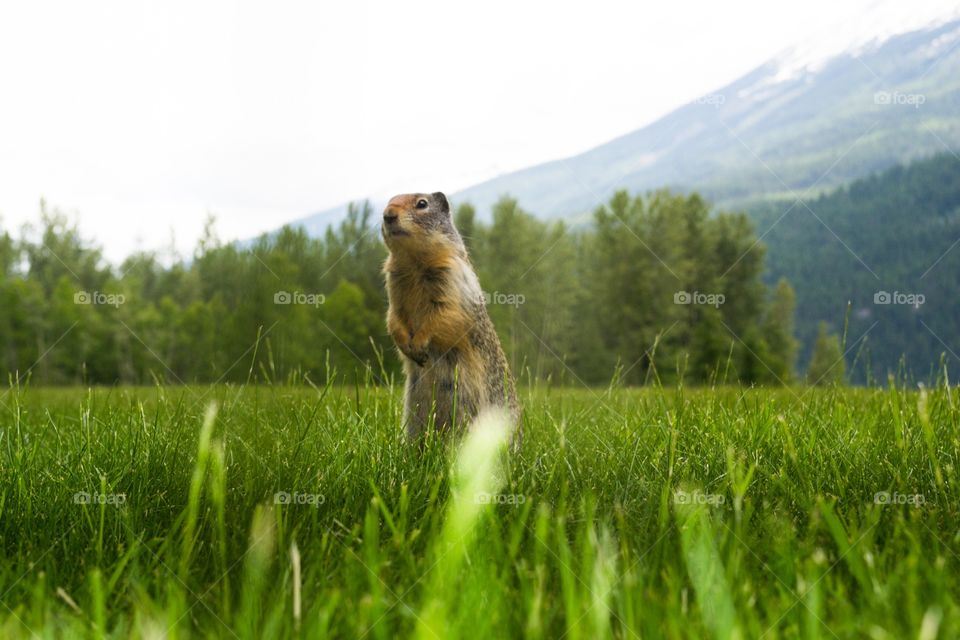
(421, 204)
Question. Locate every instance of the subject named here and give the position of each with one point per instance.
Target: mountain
(785, 127)
(812, 118)
(890, 246)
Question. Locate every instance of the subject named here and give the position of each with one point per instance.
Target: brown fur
(452, 358)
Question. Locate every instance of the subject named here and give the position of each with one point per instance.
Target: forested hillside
(638, 296)
(653, 288)
(896, 233)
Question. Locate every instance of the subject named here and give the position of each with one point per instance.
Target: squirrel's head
(414, 222)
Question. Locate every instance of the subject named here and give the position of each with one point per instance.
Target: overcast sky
(140, 117)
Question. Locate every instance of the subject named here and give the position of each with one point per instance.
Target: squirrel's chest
(417, 292)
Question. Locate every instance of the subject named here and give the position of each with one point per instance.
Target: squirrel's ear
(442, 199)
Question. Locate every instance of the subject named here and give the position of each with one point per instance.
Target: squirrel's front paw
(411, 345)
(420, 356)
(417, 350)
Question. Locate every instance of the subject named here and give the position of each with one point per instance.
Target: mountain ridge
(785, 127)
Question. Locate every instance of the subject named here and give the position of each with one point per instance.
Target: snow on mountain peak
(855, 33)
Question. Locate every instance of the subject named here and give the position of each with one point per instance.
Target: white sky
(141, 117)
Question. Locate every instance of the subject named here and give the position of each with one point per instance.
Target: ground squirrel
(438, 319)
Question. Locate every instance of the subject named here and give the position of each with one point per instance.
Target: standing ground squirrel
(438, 319)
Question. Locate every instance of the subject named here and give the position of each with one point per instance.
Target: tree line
(653, 289)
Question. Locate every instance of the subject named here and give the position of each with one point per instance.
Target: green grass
(627, 513)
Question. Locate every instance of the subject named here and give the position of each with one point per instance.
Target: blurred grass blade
(476, 473)
(706, 571)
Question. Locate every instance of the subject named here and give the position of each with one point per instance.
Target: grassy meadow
(274, 512)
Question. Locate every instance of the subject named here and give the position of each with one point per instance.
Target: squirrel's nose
(389, 216)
